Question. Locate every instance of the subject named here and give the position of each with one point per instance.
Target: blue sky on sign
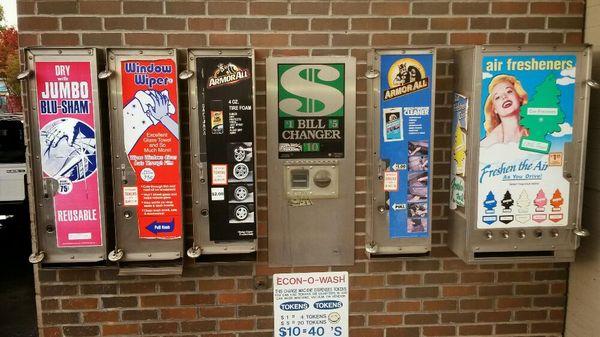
(10, 12)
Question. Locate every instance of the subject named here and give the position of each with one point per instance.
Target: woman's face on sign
(505, 99)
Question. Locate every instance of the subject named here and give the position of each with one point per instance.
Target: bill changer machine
(518, 154)
(310, 159)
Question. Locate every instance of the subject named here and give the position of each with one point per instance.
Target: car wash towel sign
(68, 150)
(151, 140)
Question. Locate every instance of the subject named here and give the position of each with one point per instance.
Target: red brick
(145, 39)
(507, 38)
(214, 312)
(101, 39)
(453, 23)
(329, 24)
(280, 24)
(375, 320)
(403, 279)
(458, 317)
(440, 305)
(366, 332)
(389, 39)
(509, 7)
(421, 319)
(316, 8)
(268, 8)
(81, 331)
(527, 23)
(470, 8)
(473, 330)
(56, 318)
(468, 38)
(255, 310)
(37, 23)
(514, 276)
(79, 23)
(390, 9)
(120, 329)
(246, 24)
(493, 316)
(178, 313)
(52, 332)
(227, 40)
(495, 290)
(531, 315)
(25, 8)
(137, 288)
(402, 306)
(428, 38)
(548, 7)
(310, 39)
(58, 39)
(235, 298)
(402, 332)
(142, 7)
(547, 327)
(158, 300)
(421, 292)
(269, 40)
(440, 330)
(236, 324)
(57, 7)
(370, 24)
(476, 304)
(227, 8)
(165, 23)
(429, 8)
(350, 8)
(385, 293)
(532, 289)
(159, 328)
(506, 329)
(124, 23)
(100, 316)
(385, 266)
(459, 291)
(366, 306)
(185, 7)
(366, 281)
(514, 302)
(440, 278)
(79, 303)
(545, 38)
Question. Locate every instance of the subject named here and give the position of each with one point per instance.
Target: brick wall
(392, 297)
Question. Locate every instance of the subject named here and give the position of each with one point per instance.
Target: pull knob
(505, 235)
(488, 235)
(521, 235)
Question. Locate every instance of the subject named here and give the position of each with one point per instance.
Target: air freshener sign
(151, 140)
(405, 118)
(311, 110)
(525, 120)
(66, 116)
(226, 97)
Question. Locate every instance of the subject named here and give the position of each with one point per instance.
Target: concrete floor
(17, 296)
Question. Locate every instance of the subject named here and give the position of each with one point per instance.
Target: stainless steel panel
(127, 236)
(317, 232)
(42, 201)
(202, 243)
(552, 244)
(378, 239)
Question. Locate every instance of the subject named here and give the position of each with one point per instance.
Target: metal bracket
(371, 247)
(372, 73)
(581, 232)
(194, 251)
(593, 84)
(186, 74)
(25, 74)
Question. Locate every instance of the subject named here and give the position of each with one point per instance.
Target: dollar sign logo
(313, 90)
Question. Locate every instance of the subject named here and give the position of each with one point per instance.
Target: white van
(12, 162)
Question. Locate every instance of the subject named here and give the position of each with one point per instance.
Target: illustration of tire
(240, 193)
(239, 154)
(241, 212)
(240, 171)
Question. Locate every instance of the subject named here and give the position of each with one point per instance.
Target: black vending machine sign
(227, 123)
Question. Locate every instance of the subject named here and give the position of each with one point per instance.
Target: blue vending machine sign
(405, 141)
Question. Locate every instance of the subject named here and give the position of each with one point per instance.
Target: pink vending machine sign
(68, 150)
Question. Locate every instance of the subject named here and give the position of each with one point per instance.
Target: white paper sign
(311, 304)
(130, 196)
(219, 174)
(390, 181)
(217, 193)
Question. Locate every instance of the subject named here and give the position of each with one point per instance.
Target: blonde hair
(491, 119)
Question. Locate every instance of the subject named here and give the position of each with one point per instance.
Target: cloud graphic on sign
(565, 81)
(568, 77)
(568, 72)
(565, 129)
(486, 75)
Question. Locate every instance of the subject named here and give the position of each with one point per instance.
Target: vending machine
(310, 160)
(400, 87)
(146, 154)
(66, 172)
(519, 136)
(222, 132)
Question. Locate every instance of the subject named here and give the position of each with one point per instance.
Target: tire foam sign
(311, 304)
(68, 150)
(151, 139)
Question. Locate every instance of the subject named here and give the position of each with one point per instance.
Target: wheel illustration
(239, 154)
(240, 171)
(241, 212)
(240, 193)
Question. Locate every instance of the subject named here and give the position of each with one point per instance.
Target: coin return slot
(299, 179)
